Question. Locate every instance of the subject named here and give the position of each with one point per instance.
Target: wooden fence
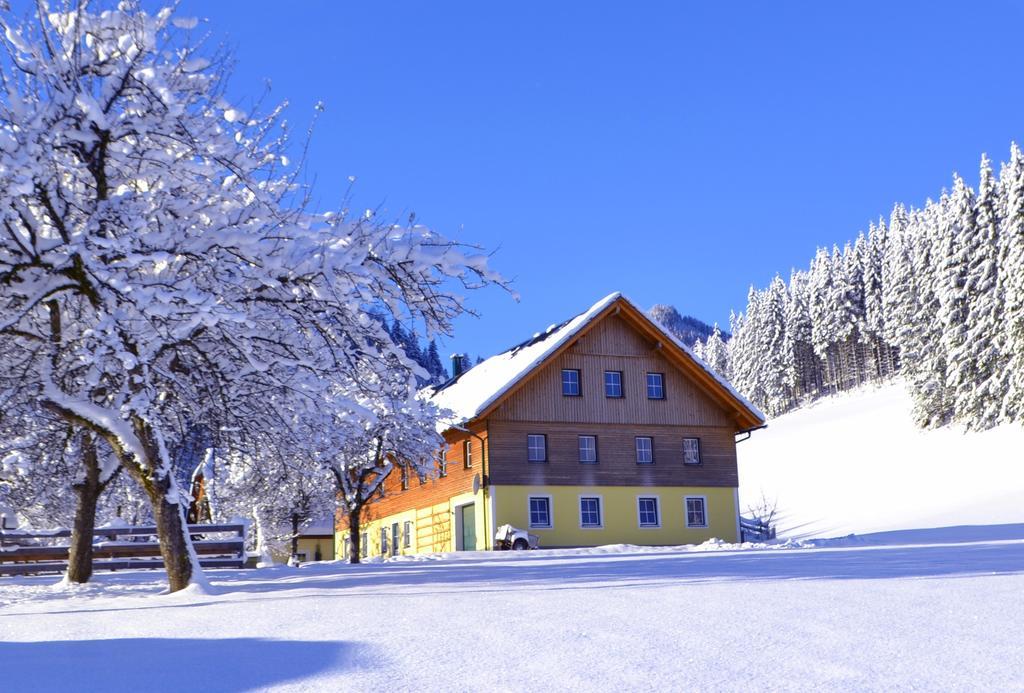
(23, 553)
(755, 530)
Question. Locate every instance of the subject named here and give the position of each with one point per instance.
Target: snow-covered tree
(716, 353)
(1010, 375)
(158, 263)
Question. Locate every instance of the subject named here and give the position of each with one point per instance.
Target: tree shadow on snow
(167, 664)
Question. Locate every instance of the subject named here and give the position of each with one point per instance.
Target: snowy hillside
(855, 463)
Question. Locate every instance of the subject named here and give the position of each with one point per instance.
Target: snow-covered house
(603, 429)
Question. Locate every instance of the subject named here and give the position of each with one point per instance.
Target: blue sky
(676, 152)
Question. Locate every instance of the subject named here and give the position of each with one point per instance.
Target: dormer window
(613, 384)
(571, 382)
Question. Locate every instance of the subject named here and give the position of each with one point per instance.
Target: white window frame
(551, 511)
(622, 386)
(686, 511)
(600, 510)
(364, 544)
(647, 384)
(544, 438)
(407, 534)
(467, 454)
(636, 448)
(579, 382)
(700, 459)
(579, 449)
(385, 534)
(657, 510)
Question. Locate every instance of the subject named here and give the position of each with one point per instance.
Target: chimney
(459, 364)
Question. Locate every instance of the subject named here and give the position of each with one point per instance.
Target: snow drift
(856, 463)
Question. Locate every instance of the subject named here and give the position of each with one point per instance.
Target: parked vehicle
(511, 538)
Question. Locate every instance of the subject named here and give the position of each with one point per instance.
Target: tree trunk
(295, 535)
(88, 493)
(179, 556)
(175, 544)
(355, 550)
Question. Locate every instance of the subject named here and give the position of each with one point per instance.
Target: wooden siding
(435, 490)
(616, 454)
(614, 346)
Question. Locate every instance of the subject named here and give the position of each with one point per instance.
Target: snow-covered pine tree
(698, 350)
(879, 354)
(433, 364)
(743, 349)
(925, 357)
(822, 304)
(978, 393)
(716, 354)
(776, 395)
(958, 242)
(899, 299)
(804, 366)
(1011, 278)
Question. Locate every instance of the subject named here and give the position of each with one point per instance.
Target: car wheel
(520, 545)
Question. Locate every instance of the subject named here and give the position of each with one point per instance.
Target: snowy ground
(924, 610)
(856, 463)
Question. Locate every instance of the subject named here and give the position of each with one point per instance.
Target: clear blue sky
(676, 152)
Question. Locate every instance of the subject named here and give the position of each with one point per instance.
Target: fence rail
(755, 530)
(22, 554)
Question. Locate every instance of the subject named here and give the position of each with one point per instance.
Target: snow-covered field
(925, 610)
(855, 463)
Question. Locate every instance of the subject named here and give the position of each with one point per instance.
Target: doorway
(467, 515)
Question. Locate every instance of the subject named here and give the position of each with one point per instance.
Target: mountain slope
(687, 328)
(855, 463)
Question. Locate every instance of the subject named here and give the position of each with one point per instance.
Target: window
(364, 544)
(442, 465)
(644, 450)
(613, 384)
(691, 450)
(540, 511)
(407, 535)
(588, 449)
(571, 382)
(348, 548)
(655, 386)
(394, 538)
(467, 453)
(537, 448)
(647, 510)
(695, 512)
(590, 511)
(405, 478)
(383, 541)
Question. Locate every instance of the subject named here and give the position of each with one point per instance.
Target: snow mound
(856, 464)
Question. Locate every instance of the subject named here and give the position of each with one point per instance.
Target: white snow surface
(486, 382)
(919, 610)
(856, 463)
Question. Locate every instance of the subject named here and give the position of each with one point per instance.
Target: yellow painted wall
(308, 545)
(619, 516)
(435, 528)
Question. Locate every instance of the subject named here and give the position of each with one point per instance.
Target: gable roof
(480, 389)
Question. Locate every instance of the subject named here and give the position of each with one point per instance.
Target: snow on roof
(472, 392)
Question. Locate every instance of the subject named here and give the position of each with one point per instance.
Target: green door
(468, 527)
